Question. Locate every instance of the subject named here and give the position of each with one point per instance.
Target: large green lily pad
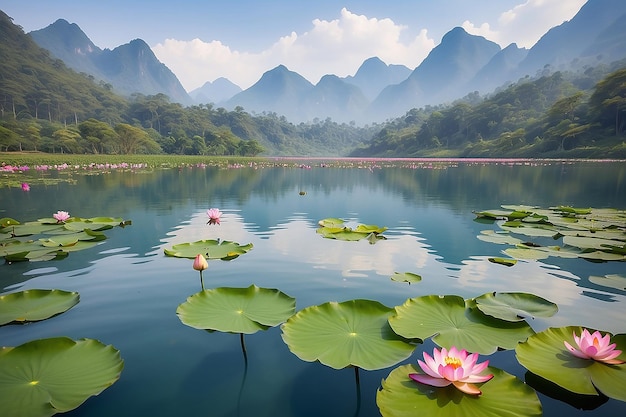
(503, 395)
(48, 376)
(34, 305)
(545, 354)
(450, 322)
(236, 310)
(515, 306)
(350, 333)
(211, 249)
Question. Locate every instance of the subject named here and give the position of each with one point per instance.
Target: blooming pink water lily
(25, 186)
(595, 346)
(214, 216)
(456, 367)
(61, 216)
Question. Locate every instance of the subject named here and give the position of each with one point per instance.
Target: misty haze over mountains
(459, 65)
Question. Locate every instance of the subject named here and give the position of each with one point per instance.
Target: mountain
(279, 90)
(498, 70)
(374, 75)
(441, 76)
(333, 97)
(130, 68)
(35, 85)
(596, 32)
(215, 92)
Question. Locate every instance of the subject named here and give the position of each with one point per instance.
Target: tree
(133, 140)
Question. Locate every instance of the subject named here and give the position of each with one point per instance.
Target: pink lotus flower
(452, 367)
(200, 263)
(25, 186)
(61, 216)
(595, 346)
(214, 216)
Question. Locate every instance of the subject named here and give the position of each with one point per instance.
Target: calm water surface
(130, 290)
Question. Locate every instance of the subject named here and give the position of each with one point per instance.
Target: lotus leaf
(503, 395)
(616, 281)
(501, 238)
(545, 354)
(331, 222)
(7, 221)
(350, 333)
(406, 277)
(552, 390)
(32, 228)
(34, 305)
(48, 376)
(211, 249)
(515, 306)
(597, 234)
(450, 323)
(236, 310)
(503, 261)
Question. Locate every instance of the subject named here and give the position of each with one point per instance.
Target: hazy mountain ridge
(459, 65)
(129, 68)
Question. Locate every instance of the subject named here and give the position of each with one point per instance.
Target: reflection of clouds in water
(298, 240)
(231, 228)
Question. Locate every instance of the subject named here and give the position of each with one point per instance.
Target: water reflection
(130, 289)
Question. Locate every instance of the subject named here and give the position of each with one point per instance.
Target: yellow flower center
(596, 342)
(455, 362)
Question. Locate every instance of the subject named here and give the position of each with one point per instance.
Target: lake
(129, 290)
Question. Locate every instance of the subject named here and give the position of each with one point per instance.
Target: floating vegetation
(236, 310)
(594, 234)
(48, 376)
(210, 249)
(35, 305)
(334, 228)
(351, 333)
(51, 238)
(545, 354)
(406, 277)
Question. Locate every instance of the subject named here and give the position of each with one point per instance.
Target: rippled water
(130, 291)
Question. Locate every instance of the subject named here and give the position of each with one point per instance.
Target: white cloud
(331, 47)
(525, 23)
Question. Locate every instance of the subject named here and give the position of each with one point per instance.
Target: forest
(47, 107)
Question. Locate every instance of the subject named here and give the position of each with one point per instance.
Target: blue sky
(240, 40)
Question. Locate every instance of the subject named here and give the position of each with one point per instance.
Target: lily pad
(406, 277)
(501, 238)
(503, 395)
(333, 228)
(236, 310)
(515, 306)
(545, 354)
(34, 305)
(616, 281)
(48, 376)
(503, 261)
(211, 249)
(450, 323)
(350, 333)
